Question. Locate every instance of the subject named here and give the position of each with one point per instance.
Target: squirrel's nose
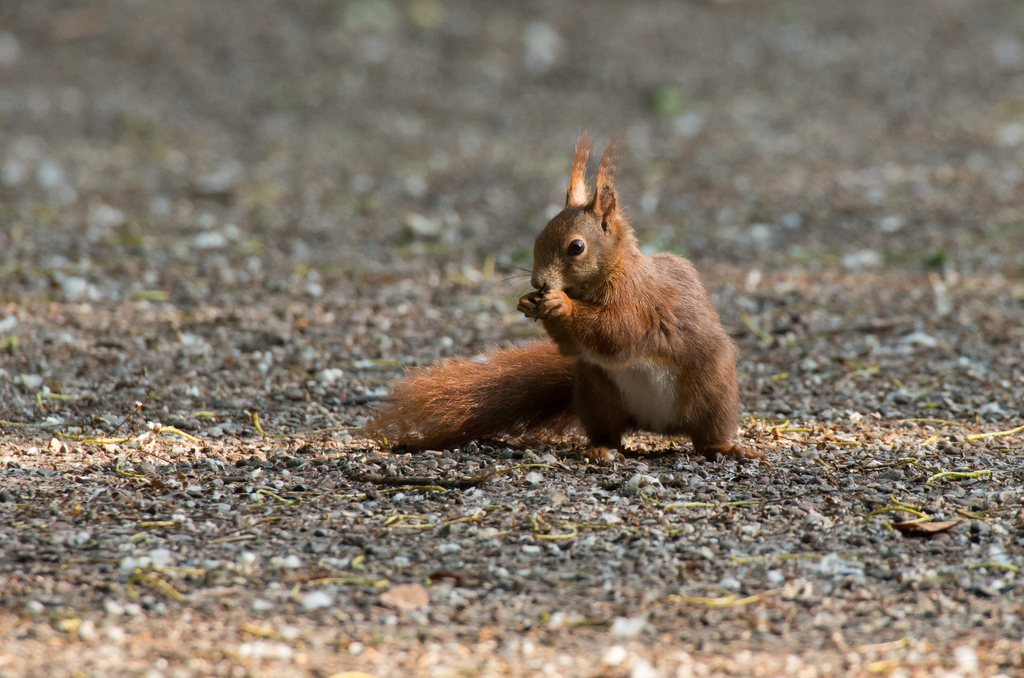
(541, 280)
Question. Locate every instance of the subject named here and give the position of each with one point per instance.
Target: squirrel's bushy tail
(508, 391)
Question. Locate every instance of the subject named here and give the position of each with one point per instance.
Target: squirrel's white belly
(650, 392)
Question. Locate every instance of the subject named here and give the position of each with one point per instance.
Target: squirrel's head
(579, 247)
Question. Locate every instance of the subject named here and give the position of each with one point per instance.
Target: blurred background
(180, 149)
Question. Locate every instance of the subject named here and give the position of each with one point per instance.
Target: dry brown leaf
(309, 574)
(912, 528)
(405, 597)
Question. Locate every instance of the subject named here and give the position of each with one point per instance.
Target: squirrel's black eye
(576, 248)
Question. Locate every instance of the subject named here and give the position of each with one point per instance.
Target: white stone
(370, 16)
(14, 173)
(221, 180)
(557, 621)
(891, 223)
(761, 234)
(751, 529)
(614, 655)
(628, 627)
(210, 241)
(730, 583)
(87, 630)
(50, 175)
(261, 605)
(160, 206)
(815, 519)
(263, 649)
(862, 259)
(422, 227)
(1007, 53)
(416, 185)
(129, 564)
(991, 408)
(649, 202)
(1011, 134)
(329, 375)
(791, 220)
(162, 557)
(74, 288)
(643, 669)
(688, 124)
(966, 659)
(31, 382)
(9, 49)
(317, 599)
(542, 46)
(834, 565)
(642, 483)
(102, 219)
(920, 339)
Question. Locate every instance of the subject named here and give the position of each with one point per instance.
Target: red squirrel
(636, 344)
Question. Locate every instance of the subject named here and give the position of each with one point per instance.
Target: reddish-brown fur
(576, 194)
(507, 391)
(630, 329)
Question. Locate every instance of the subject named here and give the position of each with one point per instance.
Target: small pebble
(87, 630)
(642, 668)
(317, 599)
(614, 655)
(730, 583)
(628, 627)
(966, 659)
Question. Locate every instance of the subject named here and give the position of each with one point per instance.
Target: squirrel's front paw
(553, 304)
(528, 304)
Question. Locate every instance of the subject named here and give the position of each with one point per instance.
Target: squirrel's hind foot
(734, 451)
(603, 455)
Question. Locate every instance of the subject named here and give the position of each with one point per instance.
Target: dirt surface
(226, 227)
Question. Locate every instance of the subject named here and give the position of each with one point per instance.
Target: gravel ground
(225, 229)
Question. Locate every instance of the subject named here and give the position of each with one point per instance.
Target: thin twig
(138, 408)
(997, 434)
(955, 475)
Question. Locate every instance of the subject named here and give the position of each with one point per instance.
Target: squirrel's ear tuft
(576, 195)
(605, 203)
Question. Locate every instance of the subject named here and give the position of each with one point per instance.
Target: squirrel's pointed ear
(576, 195)
(605, 203)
